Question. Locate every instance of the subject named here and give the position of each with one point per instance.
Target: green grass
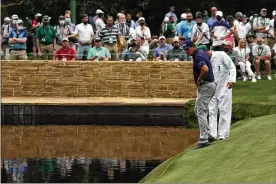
(247, 156)
(249, 100)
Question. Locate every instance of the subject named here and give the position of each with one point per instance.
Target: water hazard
(87, 153)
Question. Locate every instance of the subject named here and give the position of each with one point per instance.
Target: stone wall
(92, 79)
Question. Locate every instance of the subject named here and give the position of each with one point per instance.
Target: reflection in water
(75, 170)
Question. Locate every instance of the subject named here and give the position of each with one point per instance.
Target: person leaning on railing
(66, 53)
(17, 41)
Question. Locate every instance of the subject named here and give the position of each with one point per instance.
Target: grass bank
(247, 156)
(249, 100)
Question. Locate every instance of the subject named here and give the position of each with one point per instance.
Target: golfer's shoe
(211, 139)
(202, 145)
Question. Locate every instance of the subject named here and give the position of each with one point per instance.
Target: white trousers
(220, 127)
(246, 67)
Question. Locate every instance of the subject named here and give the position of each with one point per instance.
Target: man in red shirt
(65, 53)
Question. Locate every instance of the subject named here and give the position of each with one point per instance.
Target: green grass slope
(249, 155)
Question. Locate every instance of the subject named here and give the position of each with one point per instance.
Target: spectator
(183, 18)
(219, 32)
(85, 34)
(274, 54)
(272, 27)
(133, 54)
(171, 13)
(68, 21)
(201, 33)
(161, 52)
(239, 24)
(69, 31)
(138, 16)
(262, 53)
(250, 44)
(4, 41)
(242, 60)
(17, 40)
(36, 22)
(98, 52)
(261, 25)
(213, 19)
(143, 31)
(205, 17)
(144, 50)
(46, 39)
(7, 21)
(187, 27)
(130, 23)
(234, 36)
(60, 32)
(123, 33)
(110, 37)
(6, 35)
(65, 53)
(170, 31)
(99, 21)
(177, 53)
(165, 25)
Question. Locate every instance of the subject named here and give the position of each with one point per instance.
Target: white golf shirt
(84, 31)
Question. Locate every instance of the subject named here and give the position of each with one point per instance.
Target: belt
(205, 82)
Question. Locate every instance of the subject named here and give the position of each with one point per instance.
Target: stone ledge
(95, 101)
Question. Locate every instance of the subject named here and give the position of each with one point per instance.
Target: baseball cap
(45, 17)
(219, 13)
(141, 19)
(38, 15)
(239, 14)
(187, 44)
(99, 11)
(263, 9)
(19, 21)
(7, 19)
(65, 39)
(162, 37)
(166, 19)
(61, 17)
(274, 13)
(184, 15)
(175, 39)
(14, 17)
(98, 39)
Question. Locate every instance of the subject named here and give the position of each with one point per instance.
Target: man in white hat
(219, 31)
(161, 52)
(65, 53)
(261, 26)
(17, 41)
(36, 22)
(183, 18)
(99, 22)
(171, 13)
(143, 31)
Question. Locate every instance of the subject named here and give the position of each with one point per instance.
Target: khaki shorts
(47, 52)
(18, 55)
(113, 49)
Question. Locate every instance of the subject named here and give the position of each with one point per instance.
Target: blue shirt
(179, 26)
(161, 48)
(200, 59)
(211, 21)
(22, 34)
(187, 30)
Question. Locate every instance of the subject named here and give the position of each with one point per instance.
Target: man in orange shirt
(65, 53)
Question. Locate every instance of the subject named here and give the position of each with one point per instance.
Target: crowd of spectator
(250, 41)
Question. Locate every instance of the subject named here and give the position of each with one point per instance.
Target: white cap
(183, 16)
(175, 39)
(19, 21)
(166, 19)
(99, 11)
(14, 17)
(219, 13)
(162, 37)
(7, 19)
(274, 13)
(38, 15)
(141, 18)
(65, 39)
(119, 14)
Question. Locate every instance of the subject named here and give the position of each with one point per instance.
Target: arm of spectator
(194, 34)
(255, 26)
(213, 35)
(156, 55)
(268, 55)
(184, 56)
(147, 34)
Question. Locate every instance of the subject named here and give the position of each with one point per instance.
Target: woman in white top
(242, 60)
(143, 31)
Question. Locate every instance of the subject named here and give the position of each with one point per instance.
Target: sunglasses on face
(213, 10)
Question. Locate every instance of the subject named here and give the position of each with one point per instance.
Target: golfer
(206, 86)
(225, 77)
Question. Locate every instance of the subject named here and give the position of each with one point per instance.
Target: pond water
(88, 153)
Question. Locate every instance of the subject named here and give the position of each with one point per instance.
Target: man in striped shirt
(110, 37)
